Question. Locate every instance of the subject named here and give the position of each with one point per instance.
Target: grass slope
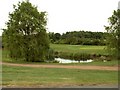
(79, 49)
(55, 77)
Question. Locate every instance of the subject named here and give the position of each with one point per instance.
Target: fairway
(56, 77)
(79, 49)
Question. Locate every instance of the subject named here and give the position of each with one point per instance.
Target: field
(79, 49)
(56, 77)
(21, 76)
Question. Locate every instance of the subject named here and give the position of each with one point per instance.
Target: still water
(61, 60)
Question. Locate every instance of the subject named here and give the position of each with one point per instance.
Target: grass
(80, 52)
(79, 49)
(54, 77)
(97, 62)
(13, 76)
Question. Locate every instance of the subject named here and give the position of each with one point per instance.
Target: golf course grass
(55, 77)
(89, 49)
(20, 76)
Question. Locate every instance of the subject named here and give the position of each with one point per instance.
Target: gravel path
(112, 68)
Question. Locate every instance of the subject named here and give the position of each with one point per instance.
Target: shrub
(81, 56)
(50, 55)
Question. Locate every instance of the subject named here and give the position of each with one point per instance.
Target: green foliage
(50, 55)
(25, 36)
(79, 38)
(81, 56)
(114, 34)
(54, 37)
(0, 41)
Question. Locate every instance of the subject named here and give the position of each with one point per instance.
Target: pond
(61, 60)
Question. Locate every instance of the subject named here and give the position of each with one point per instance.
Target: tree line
(79, 38)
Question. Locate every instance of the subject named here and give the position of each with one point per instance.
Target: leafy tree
(51, 37)
(54, 37)
(25, 36)
(83, 38)
(114, 33)
(57, 36)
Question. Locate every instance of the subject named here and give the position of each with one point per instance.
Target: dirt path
(113, 68)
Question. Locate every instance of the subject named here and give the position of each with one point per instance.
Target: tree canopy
(79, 38)
(25, 36)
(114, 34)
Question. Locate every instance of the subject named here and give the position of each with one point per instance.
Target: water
(61, 60)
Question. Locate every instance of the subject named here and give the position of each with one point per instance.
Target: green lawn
(79, 49)
(55, 77)
(13, 76)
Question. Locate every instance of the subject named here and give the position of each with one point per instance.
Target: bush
(50, 55)
(64, 55)
(81, 56)
(73, 56)
(55, 61)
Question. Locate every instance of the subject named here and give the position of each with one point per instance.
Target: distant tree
(57, 36)
(25, 36)
(54, 37)
(114, 34)
(51, 37)
(83, 38)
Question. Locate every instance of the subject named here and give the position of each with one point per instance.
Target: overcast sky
(68, 15)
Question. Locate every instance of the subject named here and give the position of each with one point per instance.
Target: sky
(67, 15)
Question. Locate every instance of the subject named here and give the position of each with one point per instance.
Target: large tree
(114, 34)
(25, 36)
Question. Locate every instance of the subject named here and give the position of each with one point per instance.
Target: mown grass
(55, 77)
(79, 49)
(80, 52)
(16, 76)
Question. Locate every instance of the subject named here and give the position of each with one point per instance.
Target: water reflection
(61, 60)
